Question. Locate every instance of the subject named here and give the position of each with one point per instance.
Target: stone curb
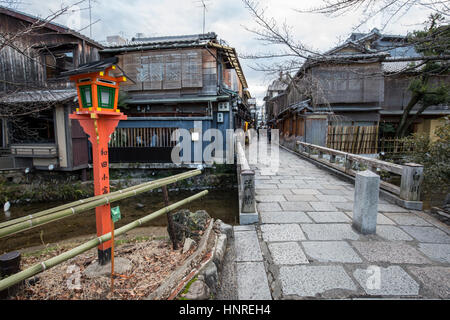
(209, 272)
(166, 289)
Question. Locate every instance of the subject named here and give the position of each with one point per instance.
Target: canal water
(220, 204)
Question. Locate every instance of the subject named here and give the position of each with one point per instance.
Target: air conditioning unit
(223, 106)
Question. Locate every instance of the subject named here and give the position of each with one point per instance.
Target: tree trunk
(404, 123)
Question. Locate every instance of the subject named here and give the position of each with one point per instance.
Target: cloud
(225, 17)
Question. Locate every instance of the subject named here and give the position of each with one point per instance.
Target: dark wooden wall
(23, 68)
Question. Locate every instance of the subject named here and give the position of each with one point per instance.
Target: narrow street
(304, 244)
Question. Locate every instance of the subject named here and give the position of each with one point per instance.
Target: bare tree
(294, 55)
(12, 41)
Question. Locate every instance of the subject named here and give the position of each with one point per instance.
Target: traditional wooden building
(35, 100)
(359, 85)
(194, 82)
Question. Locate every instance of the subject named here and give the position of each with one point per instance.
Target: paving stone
(390, 281)
(273, 192)
(287, 185)
(435, 279)
(436, 252)
(407, 219)
(427, 234)
(305, 191)
(287, 253)
(268, 206)
(285, 217)
(381, 219)
(270, 198)
(264, 182)
(296, 205)
(345, 206)
(308, 281)
(393, 233)
(246, 246)
(332, 231)
(391, 252)
(300, 197)
(330, 198)
(322, 206)
(330, 251)
(325, 216)
(383, 207)
(282, 232)
(335, 192)
(252, 281)
(266, 186)
(340, 186)
(244, 228)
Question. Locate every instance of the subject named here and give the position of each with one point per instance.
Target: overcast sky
(227, 18)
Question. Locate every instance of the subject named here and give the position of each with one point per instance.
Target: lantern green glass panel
(106, 97)
(86, 96)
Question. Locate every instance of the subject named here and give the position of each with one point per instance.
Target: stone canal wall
(38, 186)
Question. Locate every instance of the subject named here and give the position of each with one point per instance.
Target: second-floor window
(57, 62)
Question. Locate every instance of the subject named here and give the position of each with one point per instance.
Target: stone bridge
(304, 246)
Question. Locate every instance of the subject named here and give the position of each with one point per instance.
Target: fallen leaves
(153, 261)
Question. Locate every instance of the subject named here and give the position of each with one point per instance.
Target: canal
(220, 204)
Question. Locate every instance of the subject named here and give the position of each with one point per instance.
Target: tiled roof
(95, 66)
(48, 24)
(39, 96)
(168, 41)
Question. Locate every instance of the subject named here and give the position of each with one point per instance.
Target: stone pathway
(304, 245)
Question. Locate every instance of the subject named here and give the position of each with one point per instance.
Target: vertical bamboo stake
(170, 220)
(112, 255)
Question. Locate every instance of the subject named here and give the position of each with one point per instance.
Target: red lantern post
(98, 116)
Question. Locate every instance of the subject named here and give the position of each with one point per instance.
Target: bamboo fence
(47, 216)
(47, 264)
(353, 139)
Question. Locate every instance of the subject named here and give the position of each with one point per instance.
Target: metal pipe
(47, 264)
(185, 175)
(108, 198)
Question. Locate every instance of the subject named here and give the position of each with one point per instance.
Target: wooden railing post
(412, 176)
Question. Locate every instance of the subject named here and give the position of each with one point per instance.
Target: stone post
(248, 191)
(365, 208)
(333, 158)
(412, 177)
(348, 164)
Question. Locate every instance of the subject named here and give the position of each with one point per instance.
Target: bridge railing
(411, 174)
(246, 187)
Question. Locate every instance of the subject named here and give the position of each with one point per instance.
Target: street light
(98, 94)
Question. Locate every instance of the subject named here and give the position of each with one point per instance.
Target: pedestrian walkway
(304, 245)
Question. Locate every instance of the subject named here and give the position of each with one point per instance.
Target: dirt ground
(148, 249)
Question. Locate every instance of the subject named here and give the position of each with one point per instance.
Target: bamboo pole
(185, 175)
(109, 198)
(47, 264)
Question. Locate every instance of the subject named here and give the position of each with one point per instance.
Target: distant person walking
(269, 133)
